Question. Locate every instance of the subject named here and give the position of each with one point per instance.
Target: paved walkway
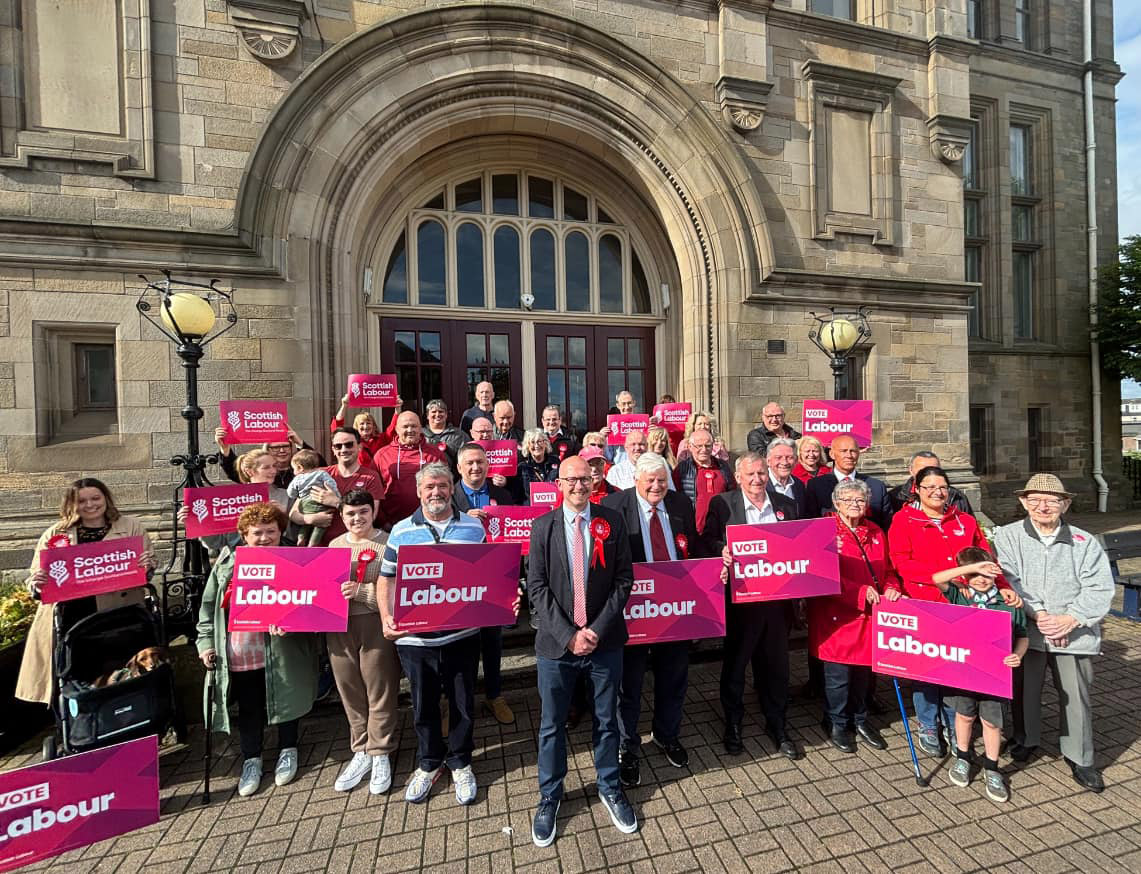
(756, 812)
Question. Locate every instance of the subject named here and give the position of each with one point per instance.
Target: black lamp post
(187, 318)
(840, 335)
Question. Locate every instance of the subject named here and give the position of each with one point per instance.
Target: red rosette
(682, 543)
(58, 540)
(443, 447)
(780, 515)
(599, 530)
(363, 560)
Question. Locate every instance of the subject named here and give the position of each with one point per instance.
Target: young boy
(308, 473)
(978, 569)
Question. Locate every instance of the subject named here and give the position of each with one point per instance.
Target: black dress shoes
(784, 746)
(1087, 777)
(871, 737)
(734, 744)
(629, 771)
(1021, 754)
(843, 740)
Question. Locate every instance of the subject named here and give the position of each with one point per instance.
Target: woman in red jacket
(372, 438)
(925, 537)
(840, 626)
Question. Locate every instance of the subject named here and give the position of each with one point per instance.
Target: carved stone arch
(408, 86)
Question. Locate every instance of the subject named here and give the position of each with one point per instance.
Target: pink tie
(578, 574)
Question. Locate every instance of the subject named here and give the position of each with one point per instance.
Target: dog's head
(148, 659)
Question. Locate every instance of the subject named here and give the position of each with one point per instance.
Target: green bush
(17, 607)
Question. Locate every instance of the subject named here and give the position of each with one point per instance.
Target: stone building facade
(564, 196)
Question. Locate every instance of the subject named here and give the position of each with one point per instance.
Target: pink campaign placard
(796, 559)
(673, 417)
(546, 495)
(92, 569)
(296, 588)
(676, 600)
(944, 644)
(255, 421)
(67, 803)
(372, 390)
(827, 420)
(502, 456)
(505, 524)
(215, 509)
(456, 585)
(622, 424)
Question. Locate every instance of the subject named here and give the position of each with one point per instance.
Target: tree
(1119, 312)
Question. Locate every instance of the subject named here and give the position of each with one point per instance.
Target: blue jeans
(929, 701)
(846, 694)
(557, 679)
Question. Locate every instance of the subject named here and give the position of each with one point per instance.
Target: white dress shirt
(645, 514)
(785, 489)
(568, 530)
(758, 516)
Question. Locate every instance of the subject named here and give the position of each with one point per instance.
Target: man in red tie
(579, 580)
(661, 527)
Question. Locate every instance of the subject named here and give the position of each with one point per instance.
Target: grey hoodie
(1071, 577)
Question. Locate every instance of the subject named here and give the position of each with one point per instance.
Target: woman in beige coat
(87, 514)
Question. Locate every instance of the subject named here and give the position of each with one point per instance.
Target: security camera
(528, 301)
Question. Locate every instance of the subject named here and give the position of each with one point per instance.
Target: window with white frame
(1023, 24)
(512, 240)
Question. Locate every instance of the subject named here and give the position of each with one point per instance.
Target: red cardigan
(922, 546)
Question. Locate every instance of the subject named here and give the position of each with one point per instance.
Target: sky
(1127, 53)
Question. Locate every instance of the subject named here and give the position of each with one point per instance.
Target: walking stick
(209, 757)
(919, 778)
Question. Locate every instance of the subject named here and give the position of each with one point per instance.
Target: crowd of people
(660, 496)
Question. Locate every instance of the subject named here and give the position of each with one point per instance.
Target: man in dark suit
(781, 459)
(579, 580)
(845, 457)
(755, 633)
(661, 527)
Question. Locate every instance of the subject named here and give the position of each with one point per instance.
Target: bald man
(772, 426)
(484, 406)
(397, 464)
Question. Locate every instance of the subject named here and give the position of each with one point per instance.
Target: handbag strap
(867, 561)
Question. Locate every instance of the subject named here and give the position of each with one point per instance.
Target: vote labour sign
(511, 524)
(215, 509)
(447, 586)
(91, 569)
(502, 456)
(255, 421)
(622, 424)
(67, 803)
(826, 420)
(372, 390)
(673, 417)
(297, 589)
(676, 600)
(783, 560)
(943, 644)
(545, 495)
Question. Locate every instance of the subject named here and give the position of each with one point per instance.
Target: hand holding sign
(796, 559)
(372, 390)
(254, 421)
(826, 420)
(619, 425)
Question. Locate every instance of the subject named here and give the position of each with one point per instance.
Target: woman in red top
(840, 626)
(925, 537)
(372, 438)
(809, 459)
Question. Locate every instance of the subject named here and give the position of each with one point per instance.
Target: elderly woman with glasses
(840, 626)
(925, 537)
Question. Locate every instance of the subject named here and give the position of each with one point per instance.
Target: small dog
(142, 662)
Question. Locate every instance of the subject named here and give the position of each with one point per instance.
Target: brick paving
(757, 812)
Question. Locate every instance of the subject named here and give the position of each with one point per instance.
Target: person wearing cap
(1066, 584)
(596, 459)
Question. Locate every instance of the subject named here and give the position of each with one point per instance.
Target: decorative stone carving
(270, 29)
(949, 137)
(743, 101)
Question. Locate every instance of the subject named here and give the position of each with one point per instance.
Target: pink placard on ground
(673, 417)
(70, 802)
(676, 600)
(215, 509)
(944, 644)
(372, 390)
(255, 421)
(505, 524)
(502, 456)
(92, 569)
(456, 585)
(827, 420)
(546, 495)
(296, 588)
(622, 424)
(796, 559)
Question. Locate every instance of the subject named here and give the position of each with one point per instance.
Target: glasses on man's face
(1049, 503)
(279, 447)
(576, 480)
(340, 446)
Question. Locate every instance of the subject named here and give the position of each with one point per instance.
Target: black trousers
(450, 669)
(249, 692)
(757, 635)
(670, 665)
(846, 694)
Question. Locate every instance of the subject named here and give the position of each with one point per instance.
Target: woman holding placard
(365, 664)
(840, 626)
(87, 515)
(273, 675)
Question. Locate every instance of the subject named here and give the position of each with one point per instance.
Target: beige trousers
(367, 671)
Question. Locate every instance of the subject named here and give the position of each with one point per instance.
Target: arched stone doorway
(373, 124)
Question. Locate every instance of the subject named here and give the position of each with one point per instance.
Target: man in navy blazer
(579, 580)
(661, 527)
(845, 457)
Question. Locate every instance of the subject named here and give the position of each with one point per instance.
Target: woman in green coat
(273, 677)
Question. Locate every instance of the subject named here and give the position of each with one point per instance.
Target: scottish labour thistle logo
(58, 571)
(234, 418)
(355, 388)
(493, 526)
(198, 508)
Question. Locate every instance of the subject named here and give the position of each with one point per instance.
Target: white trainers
(420, 785)
(353, 772)
(381, 778)
(250, 780)
(286, 768)
(466, 787)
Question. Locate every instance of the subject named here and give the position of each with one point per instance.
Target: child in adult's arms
(979, 570)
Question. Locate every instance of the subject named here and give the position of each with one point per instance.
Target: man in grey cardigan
(1064, 579)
